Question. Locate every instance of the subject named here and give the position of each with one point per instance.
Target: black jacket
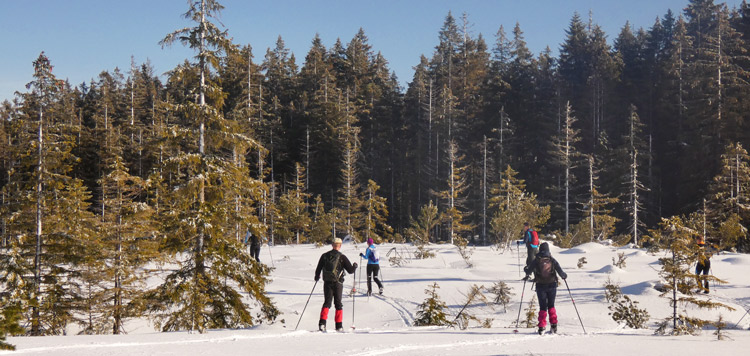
(544, 252)
(344, 264)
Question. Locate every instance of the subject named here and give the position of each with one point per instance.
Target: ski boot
(369, 292)
(322, 326)
(381, 290)
(541, 330)
(340, 327)
(553, 328)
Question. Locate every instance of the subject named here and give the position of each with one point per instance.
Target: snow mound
(737, 260)
(646, 287)
(608, 269)
(637, 253)
(585, 248)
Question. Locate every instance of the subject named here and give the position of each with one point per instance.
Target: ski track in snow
(403, 312)
(118, 345)
(496, 342)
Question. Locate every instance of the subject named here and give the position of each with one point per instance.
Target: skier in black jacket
(546, 269)
(332, 265)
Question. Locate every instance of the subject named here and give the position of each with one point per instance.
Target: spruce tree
(207, 289)
(49, 225)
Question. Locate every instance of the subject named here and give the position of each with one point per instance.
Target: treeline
(104, 181)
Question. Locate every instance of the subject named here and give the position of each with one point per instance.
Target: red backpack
(534, 239)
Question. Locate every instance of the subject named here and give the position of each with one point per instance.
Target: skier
(332, 264)
(373, 266)
(531, 245)
(703, 266)
(254, 245)
(546, 269)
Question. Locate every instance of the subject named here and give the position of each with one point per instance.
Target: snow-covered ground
(384, 325)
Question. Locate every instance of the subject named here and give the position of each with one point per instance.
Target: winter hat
(544, 248)
(337, 241)
(370, 241)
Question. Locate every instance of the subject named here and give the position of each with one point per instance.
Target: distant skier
(333, 264)
(703, 266)
(546, 269)
(531, 240)
(373, 266)
(254, 245)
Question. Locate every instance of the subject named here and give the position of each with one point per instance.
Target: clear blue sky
(84, 37)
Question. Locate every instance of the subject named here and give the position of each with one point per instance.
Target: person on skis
(254, 245)
(373, 266)
(332, 266)
(531, 240)
(703, 266)
(546, 269)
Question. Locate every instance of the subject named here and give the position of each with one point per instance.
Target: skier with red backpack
(546, 269)
(531, 240)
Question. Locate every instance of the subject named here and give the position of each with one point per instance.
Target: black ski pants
(255, 252)
(546, 294)
(332, 292)
(702, 268)
(373, 270)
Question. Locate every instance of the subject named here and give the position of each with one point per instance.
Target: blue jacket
(370, 255)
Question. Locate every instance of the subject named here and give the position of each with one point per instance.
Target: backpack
(331, 271)
(544, 273)
(374, 255)
(534, 239)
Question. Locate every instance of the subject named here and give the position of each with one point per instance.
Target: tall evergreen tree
(196, 295)
(49, 225)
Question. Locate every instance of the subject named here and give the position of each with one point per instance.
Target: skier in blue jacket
(373, 266)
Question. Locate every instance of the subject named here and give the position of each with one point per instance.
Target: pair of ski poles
(310, 296)
(571, 299)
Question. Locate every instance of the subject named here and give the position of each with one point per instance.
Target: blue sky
(84, 37)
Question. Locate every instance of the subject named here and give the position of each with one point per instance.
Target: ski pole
(354, 298)
(518, 248)
(743, 317)
(521, 306)
(271, 254)
(360, 273)
(308, 301)
(574, 305)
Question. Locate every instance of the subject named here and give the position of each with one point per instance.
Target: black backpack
(331, 271)
(544, 272)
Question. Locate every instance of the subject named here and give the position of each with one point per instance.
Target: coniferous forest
(105, 181)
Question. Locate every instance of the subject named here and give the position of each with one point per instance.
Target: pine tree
(375, 214)
(49, 225)
(728, 193)
(566, 156)
(294, 221)
(513, 206)
(433, 310)
(349, 199)
(197, 295)
(453, 196)
(679, 283)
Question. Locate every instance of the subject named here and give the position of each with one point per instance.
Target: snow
(384, 324)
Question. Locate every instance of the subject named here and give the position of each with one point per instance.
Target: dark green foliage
(530, 317)
(679, 284)
(623, 309)
(433, 310)
(9, 324)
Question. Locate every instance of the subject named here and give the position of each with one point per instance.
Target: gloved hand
(317, 278)
(361, 255)
(355, 265)
(518, 242)
(525, 279)
(564, 276)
